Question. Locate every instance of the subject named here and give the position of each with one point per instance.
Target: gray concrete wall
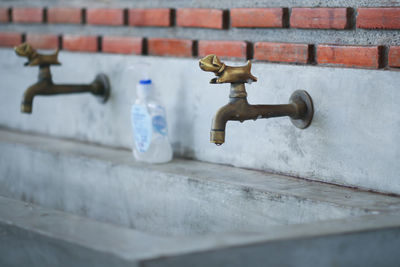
(352, 140)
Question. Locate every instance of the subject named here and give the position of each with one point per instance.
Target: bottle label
(160, 125)
(141, 123)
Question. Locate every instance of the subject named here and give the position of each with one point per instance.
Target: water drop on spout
(218, 144)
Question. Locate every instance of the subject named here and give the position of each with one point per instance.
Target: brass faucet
(300, 108)
(100, 87)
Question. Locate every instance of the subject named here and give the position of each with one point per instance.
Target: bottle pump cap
(146, 81)
(143, 88)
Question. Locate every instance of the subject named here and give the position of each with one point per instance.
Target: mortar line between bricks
(99, 43)
(9, 14)
(83, 16)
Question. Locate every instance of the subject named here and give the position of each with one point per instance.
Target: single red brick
(319, 18)
(160, 17)
(3, 14)
(394, 56)
(257, 17)
(378, 18)
(42, 41)
(122, 45)
(199, 17)
(64, 15)
(80, 43)
(170, 47)
(27, 14)
(348, 56)
(281, 52)
(10, 39)
(105, 16)
(225, 49)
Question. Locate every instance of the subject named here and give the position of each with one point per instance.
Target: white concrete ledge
(183, 197)
(88, 205)
(36, 236)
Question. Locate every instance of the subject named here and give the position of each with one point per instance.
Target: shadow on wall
(183, 127)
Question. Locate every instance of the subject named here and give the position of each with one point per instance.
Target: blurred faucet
(45, 86)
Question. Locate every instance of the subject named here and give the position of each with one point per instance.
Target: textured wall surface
(294, 44)
(345, 53)
(351, 141)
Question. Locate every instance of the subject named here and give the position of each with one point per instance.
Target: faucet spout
(33, 90)
(238, 109)
(45, 86)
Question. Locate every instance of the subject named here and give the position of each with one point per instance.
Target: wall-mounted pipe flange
(103, 87)
(302, 97)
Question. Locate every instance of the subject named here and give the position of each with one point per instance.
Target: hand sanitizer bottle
(150, 131)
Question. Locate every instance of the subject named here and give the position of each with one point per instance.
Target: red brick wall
(343, 20)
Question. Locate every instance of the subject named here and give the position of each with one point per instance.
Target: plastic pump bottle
(149, 124)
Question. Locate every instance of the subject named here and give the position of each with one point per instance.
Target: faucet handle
(224, 73)
(34, 58)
